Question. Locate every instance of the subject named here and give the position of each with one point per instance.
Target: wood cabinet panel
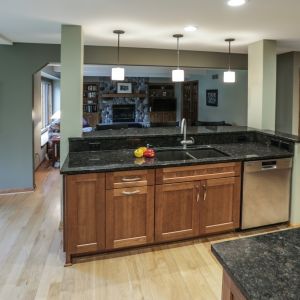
(197, 172)
(176, 211)
(84, 213)
(162, 116)
(92, 118)
(129, 216)
(220, 205)
(229, 289)
(129, 178)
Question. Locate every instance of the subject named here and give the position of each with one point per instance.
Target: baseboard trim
(16, 191)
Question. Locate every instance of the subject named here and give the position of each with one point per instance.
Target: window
(46, 105)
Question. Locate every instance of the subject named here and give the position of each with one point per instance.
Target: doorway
(190, 95)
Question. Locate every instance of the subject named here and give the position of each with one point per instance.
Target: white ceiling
(150, 24)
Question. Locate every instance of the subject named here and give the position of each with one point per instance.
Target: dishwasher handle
(268, 165)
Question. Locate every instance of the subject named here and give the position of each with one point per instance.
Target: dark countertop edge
(241, 129)
(231, 275)
(113, 168)
(143, 135)
(285, 136)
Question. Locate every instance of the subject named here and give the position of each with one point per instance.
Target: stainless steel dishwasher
(266, 192)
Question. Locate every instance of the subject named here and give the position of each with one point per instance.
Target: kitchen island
(114, 201)
(262, 267)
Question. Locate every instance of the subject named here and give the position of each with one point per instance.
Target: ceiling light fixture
(190, 28)
(118, 73)
(178, 74)
(236, 2)
(229, 76)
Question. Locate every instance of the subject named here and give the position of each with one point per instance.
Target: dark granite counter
(123, 159)
(264, 267)
(191, 130)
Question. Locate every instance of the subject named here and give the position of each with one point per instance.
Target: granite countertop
(191, 130)
(117, 160)
(264, 267)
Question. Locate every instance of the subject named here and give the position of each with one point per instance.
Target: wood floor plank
(32, 259)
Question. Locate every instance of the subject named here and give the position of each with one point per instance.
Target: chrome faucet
(185, 142)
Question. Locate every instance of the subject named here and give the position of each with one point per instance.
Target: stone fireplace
(123, 112)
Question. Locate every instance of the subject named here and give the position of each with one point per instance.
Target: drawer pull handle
(198, 193)
(125, 179)
(130, 193)
(205, 191)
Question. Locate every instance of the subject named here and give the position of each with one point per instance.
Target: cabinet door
(220, 205)
(129, 216)
(84, 213)
(177, 211)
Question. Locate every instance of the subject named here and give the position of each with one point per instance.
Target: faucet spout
(185, 142)
(183, 128)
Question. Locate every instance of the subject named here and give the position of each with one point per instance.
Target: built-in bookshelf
(91, 103)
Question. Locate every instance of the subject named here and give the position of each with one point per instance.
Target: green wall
(19, 62)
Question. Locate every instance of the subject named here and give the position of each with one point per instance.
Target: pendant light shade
(178, 74)
(229, 76)
(118, 73)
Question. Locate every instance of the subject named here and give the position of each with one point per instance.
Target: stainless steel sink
(169, 155)
(206, 153)
(182, 154)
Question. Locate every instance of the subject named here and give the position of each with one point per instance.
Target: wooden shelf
(123, 95)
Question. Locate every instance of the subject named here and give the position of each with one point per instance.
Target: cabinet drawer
(131, 191)
(129, 179)
(200, 172)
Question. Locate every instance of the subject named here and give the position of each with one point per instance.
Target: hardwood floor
(32, 259)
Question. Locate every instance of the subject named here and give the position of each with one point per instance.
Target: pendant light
(229, 76)
(118, 73)
(178, 74)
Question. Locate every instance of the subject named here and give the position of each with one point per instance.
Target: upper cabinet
(162, 102)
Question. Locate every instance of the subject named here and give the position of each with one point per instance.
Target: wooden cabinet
(129, 216)
(92, 118)
(162, 103)
(220, 205)
(122, 209)
(176, 211)
(197, 200)
(84, 213)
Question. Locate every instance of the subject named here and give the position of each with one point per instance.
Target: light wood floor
(32, 260)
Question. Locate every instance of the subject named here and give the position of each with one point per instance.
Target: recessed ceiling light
(236, 2)
(190, 28)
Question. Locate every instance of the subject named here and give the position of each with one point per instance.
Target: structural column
(262, 84)
(71, 85)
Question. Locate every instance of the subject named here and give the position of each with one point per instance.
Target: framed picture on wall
(124, 88)
(212, 97)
